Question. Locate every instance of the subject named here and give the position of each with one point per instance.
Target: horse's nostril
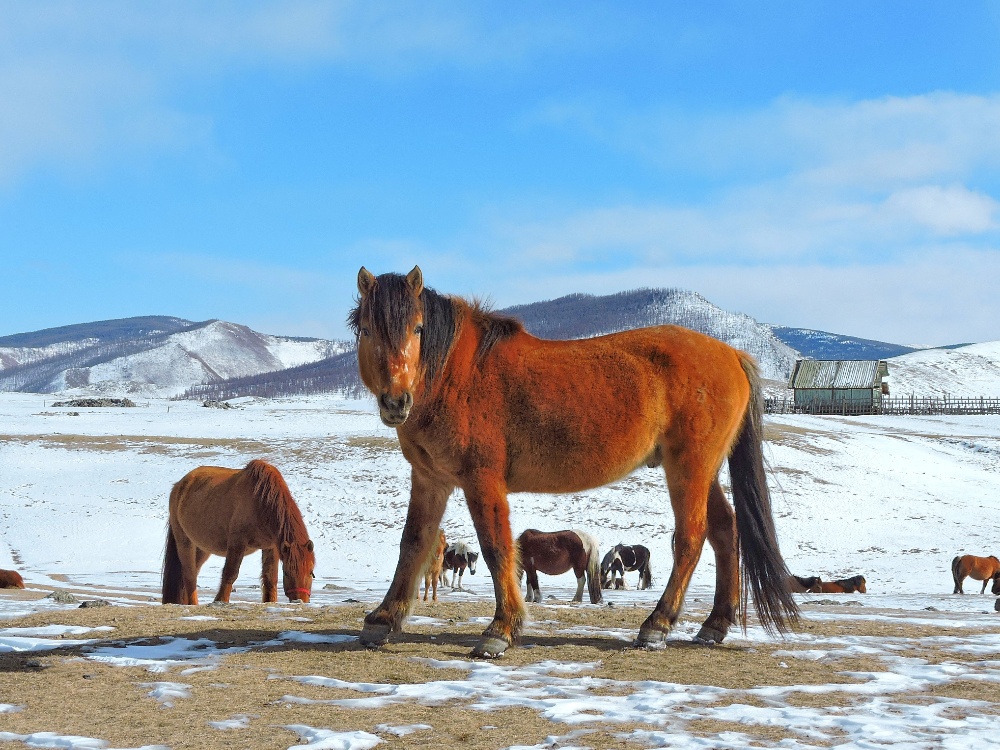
(400, 403)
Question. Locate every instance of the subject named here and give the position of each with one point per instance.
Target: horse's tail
(173, 577)
(955, 574)
(592, 548)
(647, 574)
(764, 571)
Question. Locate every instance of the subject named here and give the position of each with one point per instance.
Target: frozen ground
(83, 503)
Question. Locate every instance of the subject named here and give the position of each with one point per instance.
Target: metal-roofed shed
(824, 386)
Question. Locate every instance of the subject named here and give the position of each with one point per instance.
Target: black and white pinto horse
(458, 557)
(622, 558)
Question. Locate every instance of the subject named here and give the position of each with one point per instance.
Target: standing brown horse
(433, 565)
(480, 404)
(557, 552)
(232, 513)
(983, 569)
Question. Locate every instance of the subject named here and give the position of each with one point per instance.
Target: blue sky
(825, 165)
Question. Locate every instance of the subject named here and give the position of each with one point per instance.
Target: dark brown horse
(983, 569)
(852, 585)
(804, 584)
(557, 552)
(232, 513)
(480, 404)
(11, 579)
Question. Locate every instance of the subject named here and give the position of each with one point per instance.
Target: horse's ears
(415, 280)
(366, 281)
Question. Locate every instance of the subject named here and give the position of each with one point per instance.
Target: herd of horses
(479, 404)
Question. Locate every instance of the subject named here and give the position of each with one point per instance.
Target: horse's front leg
(487, 500)
(269, 575)
(230, 572)
(423, 518)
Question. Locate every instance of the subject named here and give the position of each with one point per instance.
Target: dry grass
(62, 691)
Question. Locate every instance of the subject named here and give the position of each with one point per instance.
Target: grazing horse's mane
(392, 306)
(277, 502)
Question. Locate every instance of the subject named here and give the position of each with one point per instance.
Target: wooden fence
(892, 406)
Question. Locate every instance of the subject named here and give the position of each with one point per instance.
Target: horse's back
(11, 579)
(209, 502)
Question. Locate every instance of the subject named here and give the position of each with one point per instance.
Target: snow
(83, 503)
(968, 371)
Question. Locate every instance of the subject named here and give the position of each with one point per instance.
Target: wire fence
(892, 406)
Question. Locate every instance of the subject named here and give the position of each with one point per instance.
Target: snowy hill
(824, 345)
(148, 360)
(972, 370)
(583, 316)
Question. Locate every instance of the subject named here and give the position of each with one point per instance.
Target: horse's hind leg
(423, 519)
(689, 498)
(722, 537)
(534, 592)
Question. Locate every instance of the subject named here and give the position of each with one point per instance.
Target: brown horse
(983, 569)
(480, 404)
(555, 553)
(804, 584)
(852, 585)
(232, 513)
(433, 566)
(11, 579)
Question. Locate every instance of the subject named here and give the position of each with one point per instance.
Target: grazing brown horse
(804, 584)
(11, 579)
(852, 585)
(983, 569)
(480, 404)
(555, 553)
(433, 566)
(232, 513)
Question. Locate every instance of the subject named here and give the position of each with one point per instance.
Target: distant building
(824, 386)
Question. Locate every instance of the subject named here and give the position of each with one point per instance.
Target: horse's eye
(364, 332)
(418, 330)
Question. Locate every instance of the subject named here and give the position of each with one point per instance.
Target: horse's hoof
(651, 638)
(710, 635)
(374, 635)
(490, 647)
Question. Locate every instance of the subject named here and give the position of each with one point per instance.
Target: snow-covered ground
(83, 501)
(968, 371)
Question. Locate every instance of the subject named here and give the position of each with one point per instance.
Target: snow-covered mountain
(584, 315)
(149, 361)
(967, 371)
(824, 345)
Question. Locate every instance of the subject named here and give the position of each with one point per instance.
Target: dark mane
(277, 502)
(493, 328)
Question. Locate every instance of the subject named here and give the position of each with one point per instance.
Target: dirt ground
(64, 692)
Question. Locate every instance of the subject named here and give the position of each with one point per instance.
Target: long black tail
(954, 575)
(764, 570)
(173, 573)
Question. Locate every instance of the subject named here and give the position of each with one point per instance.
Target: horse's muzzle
(394, 410)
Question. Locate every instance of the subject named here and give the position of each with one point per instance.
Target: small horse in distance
(433, 567)
(11, 579)
(555, 553)
(457, 558)
(622, 558)
(481, 405)
(233, 513)
(852, 585)
(805, 584)
(983, 569)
